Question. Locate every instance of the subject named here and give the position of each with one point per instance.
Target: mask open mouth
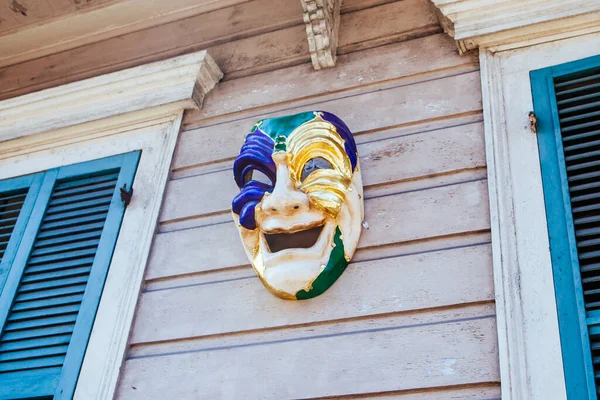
(297, 240)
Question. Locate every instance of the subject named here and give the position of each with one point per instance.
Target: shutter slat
(572, 128)
(570, 82)
(57, 266)
(78, 206)
(590, 268)
(584, 106)
(62, 256)
(34, 333)
(52, 283)
(45, 312)
(110, 185)
(86, 181)
(101, 195)
(69, 231)
(78, 213)
(41, 362)
(592, 279)
(33, 353)
(18, 195)
(47, 303)
(579, 136)
(44, 294)
(66, 247)
(587, 232)
(40, 322)
(588, 208)
(582, 156)
(585, 197)
(74, 221)
(68, 239)
(8, 220)
(35, 343)
(586, 243)
(56, 274)
(8, 212)
(578, 188)
(580, 117)
(587, 257)
(575, 167)
(586, 220)
(575, 99)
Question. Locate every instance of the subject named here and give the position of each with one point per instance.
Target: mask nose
(286, 199)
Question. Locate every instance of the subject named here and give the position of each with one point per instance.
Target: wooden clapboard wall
(413, 317)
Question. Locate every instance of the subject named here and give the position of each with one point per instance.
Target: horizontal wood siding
(413, 317)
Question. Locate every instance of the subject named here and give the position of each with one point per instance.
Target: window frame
(529, 340)
(41, 194)
(138, 109)
(572, 318)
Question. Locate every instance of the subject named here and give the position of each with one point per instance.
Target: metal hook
(126, 194)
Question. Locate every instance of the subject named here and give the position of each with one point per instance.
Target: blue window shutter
(567, 103)
(17, 197)
(53, 288)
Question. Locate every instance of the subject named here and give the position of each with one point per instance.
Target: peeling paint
(448, 363)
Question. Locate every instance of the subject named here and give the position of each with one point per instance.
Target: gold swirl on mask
(326, 188)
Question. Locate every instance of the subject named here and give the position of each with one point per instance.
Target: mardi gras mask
(300, 206)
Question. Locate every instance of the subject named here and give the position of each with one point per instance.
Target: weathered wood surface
(469, 392)
(380, 24)
(365, 356)
(396, 284)
(382, 162)
(414, 215)
(89, 22)
(418, 298)
(370, 111)
(268, 32)
(301, 83)
(21, 14)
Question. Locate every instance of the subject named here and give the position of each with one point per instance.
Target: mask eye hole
(314, 164)
(256, 175)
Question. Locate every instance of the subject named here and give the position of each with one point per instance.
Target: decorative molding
(185, 79)
(322, 19)
(498, 25)
(528, 334)
(136, 109)
(94, 24)
(509, 316)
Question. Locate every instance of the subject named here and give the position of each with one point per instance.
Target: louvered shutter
(53, 289)
(17, 197)
(567, 103)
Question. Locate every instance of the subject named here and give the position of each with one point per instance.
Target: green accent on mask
(280, 128)
(335, 267)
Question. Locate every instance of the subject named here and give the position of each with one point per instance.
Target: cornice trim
(322, 19)
(181, 81)
(506, 24)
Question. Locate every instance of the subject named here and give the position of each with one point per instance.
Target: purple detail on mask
(254, 155)
(344, 132)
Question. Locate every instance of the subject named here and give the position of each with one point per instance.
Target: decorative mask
(300, 207)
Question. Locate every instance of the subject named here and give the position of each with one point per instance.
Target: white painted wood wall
(413, 317)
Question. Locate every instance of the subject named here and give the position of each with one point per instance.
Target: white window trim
(136, 109)
(513, 39)
(529, 342)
